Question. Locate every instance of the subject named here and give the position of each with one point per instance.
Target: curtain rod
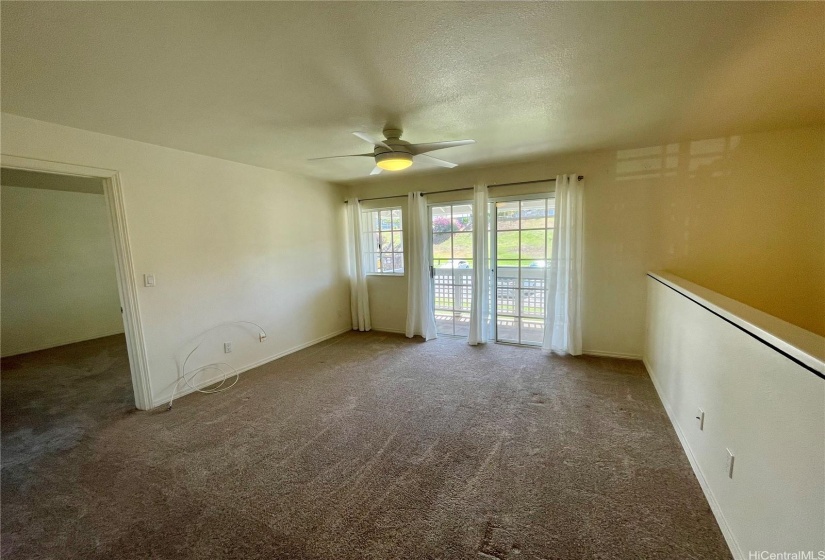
(467, 188)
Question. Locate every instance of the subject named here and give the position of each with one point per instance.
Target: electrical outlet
(729, 463)
(227, 347)
(700, 417)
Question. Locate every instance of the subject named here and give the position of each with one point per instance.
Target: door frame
(430, 206)
(494, 260)
(127, 285)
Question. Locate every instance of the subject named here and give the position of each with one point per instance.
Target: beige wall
(226, 242)
(743, 215)
(58, 270)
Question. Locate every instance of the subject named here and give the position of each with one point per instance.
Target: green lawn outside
(532, 246)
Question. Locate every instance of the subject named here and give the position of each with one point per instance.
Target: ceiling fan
(394, 154)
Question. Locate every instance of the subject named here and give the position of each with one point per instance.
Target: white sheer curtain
(420, 313)
(480, 330)
(563, 299)
(359, 299)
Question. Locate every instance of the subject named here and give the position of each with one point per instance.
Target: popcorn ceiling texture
(274, 83)
(368, 445)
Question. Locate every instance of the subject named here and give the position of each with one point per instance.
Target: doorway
(106, 184)
(451, 268)
(521, 248)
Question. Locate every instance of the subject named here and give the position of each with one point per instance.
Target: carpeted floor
(368, 445)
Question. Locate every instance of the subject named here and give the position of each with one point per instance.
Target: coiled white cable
(186, 377)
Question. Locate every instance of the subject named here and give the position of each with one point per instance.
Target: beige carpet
(364, 446)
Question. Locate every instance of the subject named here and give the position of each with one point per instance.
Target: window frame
(369, 251)
(518, 316)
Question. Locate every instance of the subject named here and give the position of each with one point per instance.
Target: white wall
(743, 214)
(58, 270)
(768, 410)
(226, 241)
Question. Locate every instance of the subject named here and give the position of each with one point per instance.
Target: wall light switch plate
(700, 417)
(227, 347)
(149, 280)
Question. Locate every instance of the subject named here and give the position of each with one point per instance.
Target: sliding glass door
(523, 236)
(452, 267)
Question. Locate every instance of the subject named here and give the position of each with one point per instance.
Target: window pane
(507, 215)
(386, 220)
(463, 217)
(507, 328)
(551, 212)
(443, 289)
(532, 331)
(549, 243)
(462, 324)
(396, 219)
(397, 241)
(532, 214)
(386, 262)
(532, 276)
(444, 322)
(463, 245)
(532, 298)
(507, 245)
(441, 219)
(463, 277)
(442, 247)
(506, 301)
(532, 244)
(508, 274)
(398, 262)
(462, 296)
(386, 241)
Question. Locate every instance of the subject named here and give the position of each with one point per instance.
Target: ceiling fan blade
(375, 171)
(367, 138)
(435, 160)
(333, 157)
(431, 146)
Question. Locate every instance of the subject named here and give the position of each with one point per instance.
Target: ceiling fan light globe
(393, 161)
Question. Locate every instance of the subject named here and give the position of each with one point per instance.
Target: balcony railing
(453, 290)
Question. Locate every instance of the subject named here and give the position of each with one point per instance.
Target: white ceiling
(271, 84)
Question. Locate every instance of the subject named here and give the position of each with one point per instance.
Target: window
(383, 241)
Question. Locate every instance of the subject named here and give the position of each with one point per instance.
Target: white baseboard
(394, 331)
(55, 344)
(187, 390)
(601, 354)
(730, 538)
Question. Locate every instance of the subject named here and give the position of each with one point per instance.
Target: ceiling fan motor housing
(400, 154)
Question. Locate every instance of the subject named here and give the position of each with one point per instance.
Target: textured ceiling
(272, 84)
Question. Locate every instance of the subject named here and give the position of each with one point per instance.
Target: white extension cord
(186, 377)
